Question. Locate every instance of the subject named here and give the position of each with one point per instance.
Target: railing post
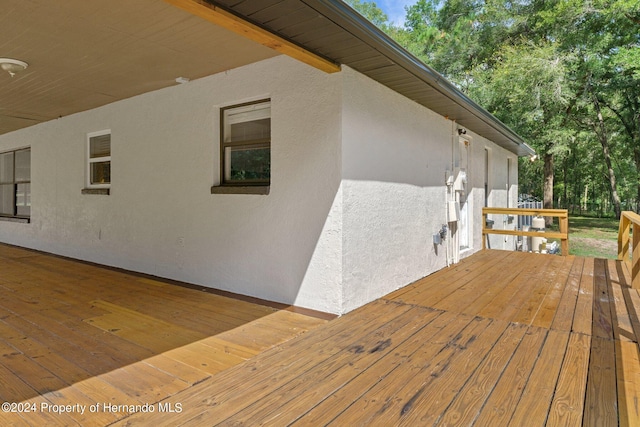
(635, 257)
(564, 228)
(623, 237)
(630, 222)
(484, 233)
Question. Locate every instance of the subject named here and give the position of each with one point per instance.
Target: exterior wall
(357, 188)
(395, 153)
(160, 217)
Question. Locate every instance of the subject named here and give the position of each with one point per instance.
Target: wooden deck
(77, 334)
(503, 338)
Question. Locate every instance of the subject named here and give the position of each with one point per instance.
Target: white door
(462, 196)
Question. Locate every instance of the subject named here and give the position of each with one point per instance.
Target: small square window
(245, 149)
(99, 160)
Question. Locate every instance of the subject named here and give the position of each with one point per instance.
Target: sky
(394, 9)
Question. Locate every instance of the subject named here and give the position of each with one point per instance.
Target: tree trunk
(601, 131)
(564, 183)
(636, 155)
(547, 190)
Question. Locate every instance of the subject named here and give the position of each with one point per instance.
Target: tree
(550, 69)
(565, 74)
(530, 93)
(372, 12)
(605, 43)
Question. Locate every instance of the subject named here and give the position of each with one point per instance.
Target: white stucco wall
(395, 157)
(161, 218)
(395, 153)
(357, 188)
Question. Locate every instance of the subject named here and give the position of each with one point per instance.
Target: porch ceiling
(86, 53)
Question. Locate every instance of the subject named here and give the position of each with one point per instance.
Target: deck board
(501, 405)
(468, 402)
(583, 316)
(568, 401)
(502, 338)
(601, 399)
(533, 406)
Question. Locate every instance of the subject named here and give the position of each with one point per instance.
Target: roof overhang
(333, 30)
(84, 53)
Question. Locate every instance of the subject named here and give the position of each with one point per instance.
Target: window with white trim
(15, 184)
(245, 144)
(99, 159)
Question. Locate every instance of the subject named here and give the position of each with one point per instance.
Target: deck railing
(561, 214)
(629, 241)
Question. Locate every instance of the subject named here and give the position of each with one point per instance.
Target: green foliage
(251, 164)
(371, 11)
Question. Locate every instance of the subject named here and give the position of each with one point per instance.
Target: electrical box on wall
(448, 178)
(461, 181)
(453, 212)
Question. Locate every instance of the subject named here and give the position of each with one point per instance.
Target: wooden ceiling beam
(231, 22)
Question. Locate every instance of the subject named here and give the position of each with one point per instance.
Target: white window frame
(90, 160)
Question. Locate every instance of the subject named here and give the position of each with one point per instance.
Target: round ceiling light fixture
(12, 66)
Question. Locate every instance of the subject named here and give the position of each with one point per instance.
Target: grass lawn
(593, 237)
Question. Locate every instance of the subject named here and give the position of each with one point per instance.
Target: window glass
(23, 165)
(246, 131)
(6, 167)
(23, 199)
(100, 146)
(246, 144)
(100, 172)
(247, 163)
(6, 199)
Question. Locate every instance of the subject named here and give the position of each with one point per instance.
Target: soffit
(83, 54)
(333, 30)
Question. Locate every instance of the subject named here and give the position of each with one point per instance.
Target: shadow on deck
(75, 335)
(503, 338)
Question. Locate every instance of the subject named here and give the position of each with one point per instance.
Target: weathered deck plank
(500, 406)
(468, 402)
(583, 316)
(441, 329)
(568, 401)
(391, 400)
(601, 402)
(329, 375)
(563, 318)
(533, 407)
(448, 383)
(547, 310)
